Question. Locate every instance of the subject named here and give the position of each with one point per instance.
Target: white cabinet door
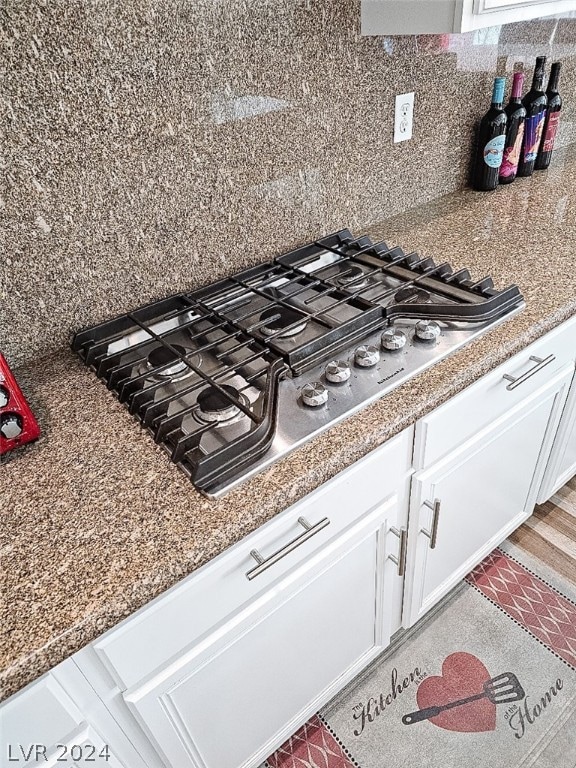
(232, 699)
(466, 504)
(415, 17)
(562, 464)
(43, 726)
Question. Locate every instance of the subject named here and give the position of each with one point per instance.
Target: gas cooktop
(230, 377)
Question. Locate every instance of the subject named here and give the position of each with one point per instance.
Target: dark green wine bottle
(491, 141)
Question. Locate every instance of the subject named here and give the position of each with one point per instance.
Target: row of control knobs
(365, 356)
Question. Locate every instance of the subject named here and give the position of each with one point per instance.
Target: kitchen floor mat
(507, 638)
(540, 568)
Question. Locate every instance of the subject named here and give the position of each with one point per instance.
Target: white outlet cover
(403, 117)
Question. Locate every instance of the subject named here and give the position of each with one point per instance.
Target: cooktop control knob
(10, 425)
(337, 371)
(366, 356)
(314, 394)
(393, 339)
(427, 330)
(4, 397)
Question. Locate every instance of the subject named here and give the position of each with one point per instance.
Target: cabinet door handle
(541, 362)
(264, 563)
(400, 561)
(433, 535)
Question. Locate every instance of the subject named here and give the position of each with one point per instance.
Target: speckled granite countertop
(96, 521)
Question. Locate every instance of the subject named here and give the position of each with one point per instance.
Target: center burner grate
(313, 319)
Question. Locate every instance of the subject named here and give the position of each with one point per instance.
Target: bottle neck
(498, 92)
(554, 77)
(538, 80)
(517, 85)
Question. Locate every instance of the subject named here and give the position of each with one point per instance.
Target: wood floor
(550, 534)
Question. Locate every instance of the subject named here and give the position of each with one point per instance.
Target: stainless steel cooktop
(233, 376)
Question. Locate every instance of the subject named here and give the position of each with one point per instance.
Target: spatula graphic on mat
(499, 690)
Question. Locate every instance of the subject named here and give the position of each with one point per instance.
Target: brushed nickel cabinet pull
(400, 561)
(264, 563)
(433, 535)
(541, 362)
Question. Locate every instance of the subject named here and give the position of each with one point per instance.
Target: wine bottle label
(533, 130)
(512, 155)
(494, 150)
(550, 134)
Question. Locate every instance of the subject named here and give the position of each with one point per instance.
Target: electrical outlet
(403, 117)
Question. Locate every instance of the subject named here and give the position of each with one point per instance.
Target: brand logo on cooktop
(391, 376)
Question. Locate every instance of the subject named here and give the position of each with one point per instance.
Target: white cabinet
(413, 17)
(465, 504)
(220, 670)
(562, 463)
(233, 700)
(58, 720)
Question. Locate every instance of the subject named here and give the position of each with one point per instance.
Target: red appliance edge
(15, 413)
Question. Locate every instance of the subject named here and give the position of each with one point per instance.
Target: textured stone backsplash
(155, 146)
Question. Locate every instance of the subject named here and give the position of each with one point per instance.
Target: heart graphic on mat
(462, 675)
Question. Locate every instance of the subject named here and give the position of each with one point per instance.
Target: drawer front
(215, 595)
(477, 406)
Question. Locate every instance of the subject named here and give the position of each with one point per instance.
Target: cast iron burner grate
(459, 298)
(142, 356)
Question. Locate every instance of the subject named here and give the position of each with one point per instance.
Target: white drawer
(213, 596)
(477, 406)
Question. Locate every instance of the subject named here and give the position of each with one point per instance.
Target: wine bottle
(491, 140)
(516, 114)
(535, 102)
(552, 119)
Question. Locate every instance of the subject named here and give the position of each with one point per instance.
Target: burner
(281, 317)
(215, 407)
(350, 275)
(413, 294)
(160, 356)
